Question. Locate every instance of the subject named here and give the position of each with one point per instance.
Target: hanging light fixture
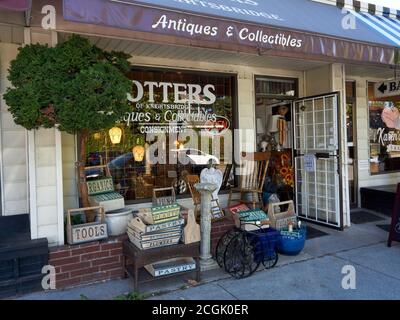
(138, 150)
(138, 153)
(115, 135)
(97, 136)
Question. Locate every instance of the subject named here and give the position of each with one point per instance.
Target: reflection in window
(180, 123)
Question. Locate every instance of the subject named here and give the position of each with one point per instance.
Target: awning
(15, 5)
(388, 27)
(295, 27)
(303, 15)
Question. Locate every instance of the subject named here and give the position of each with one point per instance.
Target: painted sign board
(394, 233)
(385, 89)
(100, 186)
(88, 232)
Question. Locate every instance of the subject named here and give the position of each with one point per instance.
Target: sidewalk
(314, 274)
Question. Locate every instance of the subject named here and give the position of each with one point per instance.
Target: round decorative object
(240, 257)
(222, 244)
(214, 176)
(179, 185)
(138, 153)
(115, 135)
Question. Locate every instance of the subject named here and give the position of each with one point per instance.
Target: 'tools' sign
(387, 89)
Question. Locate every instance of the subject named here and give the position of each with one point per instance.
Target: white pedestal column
(206, 260)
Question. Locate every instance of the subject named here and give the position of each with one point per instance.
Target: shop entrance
(316, 154)
(274, 97)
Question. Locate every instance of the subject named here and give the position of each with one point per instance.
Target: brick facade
(102, 260)
(87, 263)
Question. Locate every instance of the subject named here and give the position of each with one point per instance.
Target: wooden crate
(281, 220)
(86, 232)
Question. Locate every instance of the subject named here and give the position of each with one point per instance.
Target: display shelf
(134, 260)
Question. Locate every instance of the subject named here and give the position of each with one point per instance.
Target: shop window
(384, 132)
(181, 122)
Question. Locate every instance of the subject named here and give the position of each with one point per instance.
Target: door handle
(322, 155)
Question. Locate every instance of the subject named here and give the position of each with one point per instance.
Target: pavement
(317, 273)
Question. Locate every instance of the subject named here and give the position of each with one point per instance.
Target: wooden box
(102, 194)
(160, 214)
(86, 232)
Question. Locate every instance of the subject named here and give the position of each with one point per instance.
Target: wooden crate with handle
(280, 220)
(86, 232)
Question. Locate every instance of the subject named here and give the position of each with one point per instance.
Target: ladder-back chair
(253, 171)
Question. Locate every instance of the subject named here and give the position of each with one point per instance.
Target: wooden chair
(252, 176)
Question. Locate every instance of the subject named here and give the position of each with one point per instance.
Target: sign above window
(387, 89)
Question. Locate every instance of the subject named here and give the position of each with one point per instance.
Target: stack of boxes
(155, 227)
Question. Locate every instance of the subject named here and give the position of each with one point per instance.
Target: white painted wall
(13, 147)
(45, 172)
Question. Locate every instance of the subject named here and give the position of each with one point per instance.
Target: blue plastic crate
(292, 243)
(265, 241)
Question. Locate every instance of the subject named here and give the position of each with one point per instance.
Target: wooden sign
(100, 186)
(394, 233)
(88, 232)
(139, 225)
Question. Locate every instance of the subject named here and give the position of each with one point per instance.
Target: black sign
(394, 233)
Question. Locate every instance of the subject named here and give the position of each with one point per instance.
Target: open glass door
(316, 137)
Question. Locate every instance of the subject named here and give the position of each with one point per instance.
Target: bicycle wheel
(271, 260)
(239, 257)
(222, 244)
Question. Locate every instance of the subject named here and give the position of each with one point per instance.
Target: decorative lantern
(139, 150)
(97, 136)
(115, 135)
(138, 153)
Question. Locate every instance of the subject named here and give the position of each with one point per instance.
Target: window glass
(384, 132)
(179, 124)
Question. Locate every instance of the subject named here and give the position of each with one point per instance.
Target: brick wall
(102, 260)
(87, 263)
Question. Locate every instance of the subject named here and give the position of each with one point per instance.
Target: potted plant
(75, 87)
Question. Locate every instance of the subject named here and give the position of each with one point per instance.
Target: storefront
(239, 76)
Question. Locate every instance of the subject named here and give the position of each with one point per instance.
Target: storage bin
(117, 221)
(265, 241)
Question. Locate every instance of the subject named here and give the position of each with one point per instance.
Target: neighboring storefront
(241, 78)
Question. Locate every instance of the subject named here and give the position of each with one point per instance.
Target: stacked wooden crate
(155, 227)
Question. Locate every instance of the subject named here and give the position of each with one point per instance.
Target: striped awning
(15, 5)
(388, 27)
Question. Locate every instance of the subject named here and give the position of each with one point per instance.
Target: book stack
(156, 227)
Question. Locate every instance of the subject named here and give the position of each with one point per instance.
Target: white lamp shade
(115, 135)
(273, 123)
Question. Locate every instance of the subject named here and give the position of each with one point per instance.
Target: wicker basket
(281, 220)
